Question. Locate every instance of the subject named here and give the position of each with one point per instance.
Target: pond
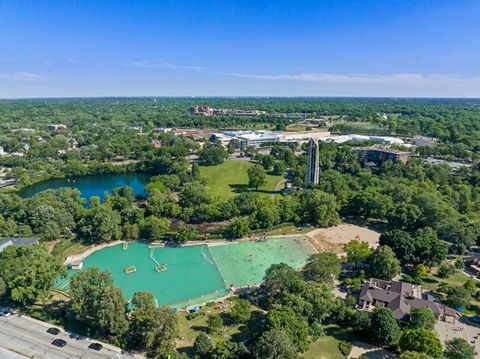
(95, 185)
(192, 274)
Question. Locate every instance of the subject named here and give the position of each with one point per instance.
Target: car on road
(54, 331)
(59, 343)
(96, 346)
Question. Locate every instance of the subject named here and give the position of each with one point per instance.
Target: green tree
(422, 318)
(383, 263)
(241, 311)
(239, 227)
(361, 322)
(28, 272)
(203, 345)
(278, 280)
(95, 300)
(100, 224)
(421, 340)
(153, 227)
(384, 328)
(446, 270)
(194, 194)
(357, 251)
(274, 344)
(401, 243)
(215, 323)
(185, 233)
(284, 318)
(213, 155)
(459, 348)
(225, 350)
(279, 168)
(322, 267)
(266, 215)
(319, 208)
(257, 177)
(151, 328)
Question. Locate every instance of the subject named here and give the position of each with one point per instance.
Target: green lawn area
(432, 281)
(190, 329)
(327, 346)
(230, 179)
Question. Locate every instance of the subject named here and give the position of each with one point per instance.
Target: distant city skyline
(239, 48)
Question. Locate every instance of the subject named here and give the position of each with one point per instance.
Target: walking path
(278, 186)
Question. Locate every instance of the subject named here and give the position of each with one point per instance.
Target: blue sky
(239, 48)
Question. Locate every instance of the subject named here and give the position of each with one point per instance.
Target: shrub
(345, 347)
(446, 270)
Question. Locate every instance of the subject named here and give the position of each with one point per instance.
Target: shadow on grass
(242, 188)
(252, 329)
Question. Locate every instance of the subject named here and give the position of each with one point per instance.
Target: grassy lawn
(432, 281)
(68, 247)
(327, 346)
(190, 329)
(230, 179)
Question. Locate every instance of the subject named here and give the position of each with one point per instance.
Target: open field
(326, 347)
(230, 179)
(332, 239)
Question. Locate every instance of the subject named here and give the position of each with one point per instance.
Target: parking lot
(29, 337)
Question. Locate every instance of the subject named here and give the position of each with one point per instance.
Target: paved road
(27, 336)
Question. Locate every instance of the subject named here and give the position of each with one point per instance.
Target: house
(17, 241)
(473, 264)
(380, 154)
(400, 298)
(56, 127)
(156, 144)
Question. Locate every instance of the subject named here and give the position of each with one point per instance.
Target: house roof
(398, 297)
(8, 241)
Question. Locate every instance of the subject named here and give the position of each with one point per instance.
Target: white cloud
(410, 79)
(22, 76)
(164, 64)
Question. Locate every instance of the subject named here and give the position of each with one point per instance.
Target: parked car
(5, 313)
(53, 331)
(96, 346)
(59, 343)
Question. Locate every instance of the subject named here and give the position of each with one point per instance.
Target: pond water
(95, 185)
(194, 274)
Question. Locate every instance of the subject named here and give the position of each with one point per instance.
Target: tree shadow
(252, 329)
(242, 188)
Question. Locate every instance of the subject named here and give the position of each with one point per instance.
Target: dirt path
(277, 187)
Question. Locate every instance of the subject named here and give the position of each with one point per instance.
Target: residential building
(473, 264)
(401, 298)
(313, 166)
(380, 154)
(156, 144)
(56, 127)
(17, 241)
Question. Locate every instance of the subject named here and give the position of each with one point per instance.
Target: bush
(446, 270)
(345, 347)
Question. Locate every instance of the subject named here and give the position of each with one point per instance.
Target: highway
(27, 336)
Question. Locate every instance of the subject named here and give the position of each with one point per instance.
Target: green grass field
(326, 347)
(230, 179)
